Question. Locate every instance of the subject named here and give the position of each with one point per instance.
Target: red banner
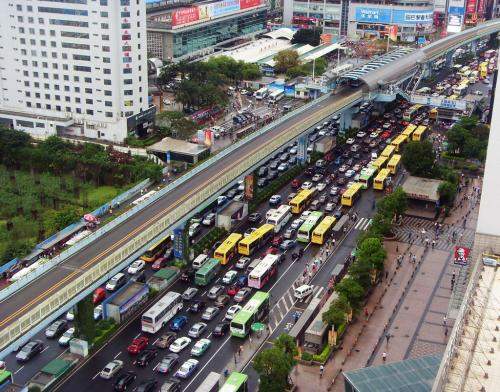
(244, 4)
(461, 255)
(481, 8)
(470, 7)
(185, 16)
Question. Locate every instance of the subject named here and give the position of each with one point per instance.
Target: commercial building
(326, 14)
(76, 67)
(200, 28)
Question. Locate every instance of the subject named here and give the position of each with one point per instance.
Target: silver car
(111, 369)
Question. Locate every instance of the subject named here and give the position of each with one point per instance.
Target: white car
(307, 185)
(98, 312)
(136, 266)
(296, 224)
(361, 134)
(478, 92)
(349, 173)
(70, 316)
(187, 368)
(320, 186)
(305, 214)
(293, 150)
(66, 337)
(329, 207)
(221, 200)
(232, 311)
(195, 228)
(373, 135)
(209, 219)
(180, 344)
(317, 177)
(197, 330)
(111, 369)
(229, 277)
(334, 190)
(350, 141)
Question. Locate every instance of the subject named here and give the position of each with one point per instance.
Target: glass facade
(205, 35)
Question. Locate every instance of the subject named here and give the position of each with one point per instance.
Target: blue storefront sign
(395, 16)
(178, 243)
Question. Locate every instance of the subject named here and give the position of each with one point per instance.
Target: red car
(296, 183)
(385, 135)
(159, 263)
(138, 345)
(272, 251)
(99, 295)
(329, 157)
(277, 240)
(232, 290)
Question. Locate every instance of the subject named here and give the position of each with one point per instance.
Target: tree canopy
(285, 60)
(419, 158)
(468, 139)
(307, 36)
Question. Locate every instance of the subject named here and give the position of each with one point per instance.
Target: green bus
(236, 382)
(366, 177)
(256, 309)
(305, 231)
(207, 272)
(5, 379)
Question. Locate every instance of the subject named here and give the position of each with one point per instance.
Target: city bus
(256, 309)
(409, 130)
(207, 272)
(419, 133)
(210, 383)
(366, 177)
(305, 231)
(228, 249)
(157, 250)
(321, 233)
(483, 69)
(236, 382)
(276, 95)
(280, 217)
(393, 164)
(388, 151)
(5, 379)
(261, 274)
(161, 312)
(352, 193)
(413, 111)
(399, 141)
(250, 244)
(301, 200)
(378, 163)
(433, 114)
(381, 180)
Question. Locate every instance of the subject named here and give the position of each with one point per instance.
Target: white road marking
(18, 370)
(203, 294)
(156, 341)
(158, 364)
(210, 334)
(93, 378)
(136, 336)
(46, 348)
(117, 355)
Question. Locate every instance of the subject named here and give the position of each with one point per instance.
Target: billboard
(456, 12)
(393, 16)
(244, 4)
(249, 180)
(470, 7)
(185, 15)
(224, 7)
(461, 255)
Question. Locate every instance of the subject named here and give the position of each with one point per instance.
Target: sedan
(329, 207)
(296, 223)
(290, 233)
(287, 244)
(66, 337)
(275, 200)
(144, 358)
(334, 190)
(187, 368)
(189, 293)
(349, 173)
(147, 385)
(57, 328)
(255, 217)
(343, 168)
(111, 369)
(242, 294)
(210, 313)
(306, 185)
(168, 363)
(356, 167)
(373, 135)
(277, 240)
(350, 141)
(200, 347)
(165, 340)
(29, 350)
(180, 344)
(317, 177)
(232, 311)
(229, 277)
(221, 329)
(197, 330)
(215, 291)
(124, 380)
(136, 267)
(320, 186)
(178, 323)
(196, 306)
(138, 345)
(209, 219)
(361, 134)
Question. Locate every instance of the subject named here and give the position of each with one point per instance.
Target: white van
(116, 282)
(199, 261)
(303, 291)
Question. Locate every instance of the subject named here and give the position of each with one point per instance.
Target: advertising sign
(244, 4)
(456, 11)
(224, 7)
(185, 16)
(481, 8)
(178, 243)
(396, 16)
(456, 104)
(393, 32)
(470, 7)
(249, 187)
(461, 255)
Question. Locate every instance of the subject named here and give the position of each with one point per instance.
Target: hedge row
(209, 239)
(104, 329)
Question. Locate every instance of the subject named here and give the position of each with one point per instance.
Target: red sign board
(185, 16)
(244, 4)
(481, 8)
(470, 7)
(461, 255)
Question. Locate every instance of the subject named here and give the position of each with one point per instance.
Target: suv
(255, 217)
(215, 291)
(171, 385)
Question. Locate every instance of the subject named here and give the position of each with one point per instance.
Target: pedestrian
(387, 337)
(414, 259)
(240, 350)
(444, 320)
(366, 314)
(384, 356)
(433, 244)
(386, 274)
(321, 370)
(397, 248)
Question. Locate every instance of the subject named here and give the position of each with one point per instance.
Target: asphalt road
(35, 293)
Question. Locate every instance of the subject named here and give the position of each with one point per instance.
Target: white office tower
(74, 67)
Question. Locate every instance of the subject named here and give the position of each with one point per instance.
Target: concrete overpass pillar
(302, 149)
(426, 70)
(449, 59)
(473, 46)
(346, 119)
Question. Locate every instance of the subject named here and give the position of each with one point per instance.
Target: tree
(447, 192)
(372, 251)
(307, 36)
(250, 71)
(418, 158)
(337, 312)
(351, 290)
(286, 344)
(394, 204)
(84, 319)
(273, 366)
(286, 59)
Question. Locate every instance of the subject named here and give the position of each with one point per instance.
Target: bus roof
(264, 265)
(400, 139)
(409, 129)
(234, 382)
(208, 265)
(378, 163)
(160, 305)
(421, 129)
(325, 224)
(368, 171)
(302, 195)
(383, 174)
(312, 219)
(394, 160)
(249, 309)
(229, 243)
(351, 191)
(388, 151)
(258, 233)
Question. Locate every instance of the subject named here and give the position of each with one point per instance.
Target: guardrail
(71, 289)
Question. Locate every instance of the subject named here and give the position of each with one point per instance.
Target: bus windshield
(393, 164)
(351, 194)
(320, 233)
(381, 180)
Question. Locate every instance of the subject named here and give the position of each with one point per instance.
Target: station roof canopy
(176, 146)
(283, 33)
(419, 188)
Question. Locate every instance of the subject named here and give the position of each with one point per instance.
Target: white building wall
(65, 60)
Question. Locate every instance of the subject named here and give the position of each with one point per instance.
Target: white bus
(276, 95)
(280, 217)
(262, 93)
(263, 272)
(161, 312)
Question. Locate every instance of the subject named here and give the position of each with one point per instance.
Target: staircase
(414, 81)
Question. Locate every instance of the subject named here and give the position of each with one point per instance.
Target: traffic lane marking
(140, 228)
(117, 355)
(18, 370)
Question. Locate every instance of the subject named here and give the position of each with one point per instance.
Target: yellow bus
(250, 244)
(380, 181)
(483, 69)
(393, 164)
(409, 130)
(157, 250)
(419, 134)
(388, 151)
(379, 162)
(301, 200)
(320, 233)
(228, 249)
(351, 194)
(399, 141)
(433, 113)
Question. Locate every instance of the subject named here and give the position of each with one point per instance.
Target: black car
(309, 172)
(255, 217)
(147, 385)
(29, 350)
(261, 182)
(188, 275)
(171, 385)
(145, 357)
(221, 329)
(124, 380)
(197, 306)
(271, 175)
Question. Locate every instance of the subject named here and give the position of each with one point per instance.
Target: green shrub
(306, 356)
(341, 329)
(323, 356)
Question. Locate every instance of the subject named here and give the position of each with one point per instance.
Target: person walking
(387, 337)
(321, 371)
(384, 356)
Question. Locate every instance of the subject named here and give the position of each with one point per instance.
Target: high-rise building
(74, 67)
